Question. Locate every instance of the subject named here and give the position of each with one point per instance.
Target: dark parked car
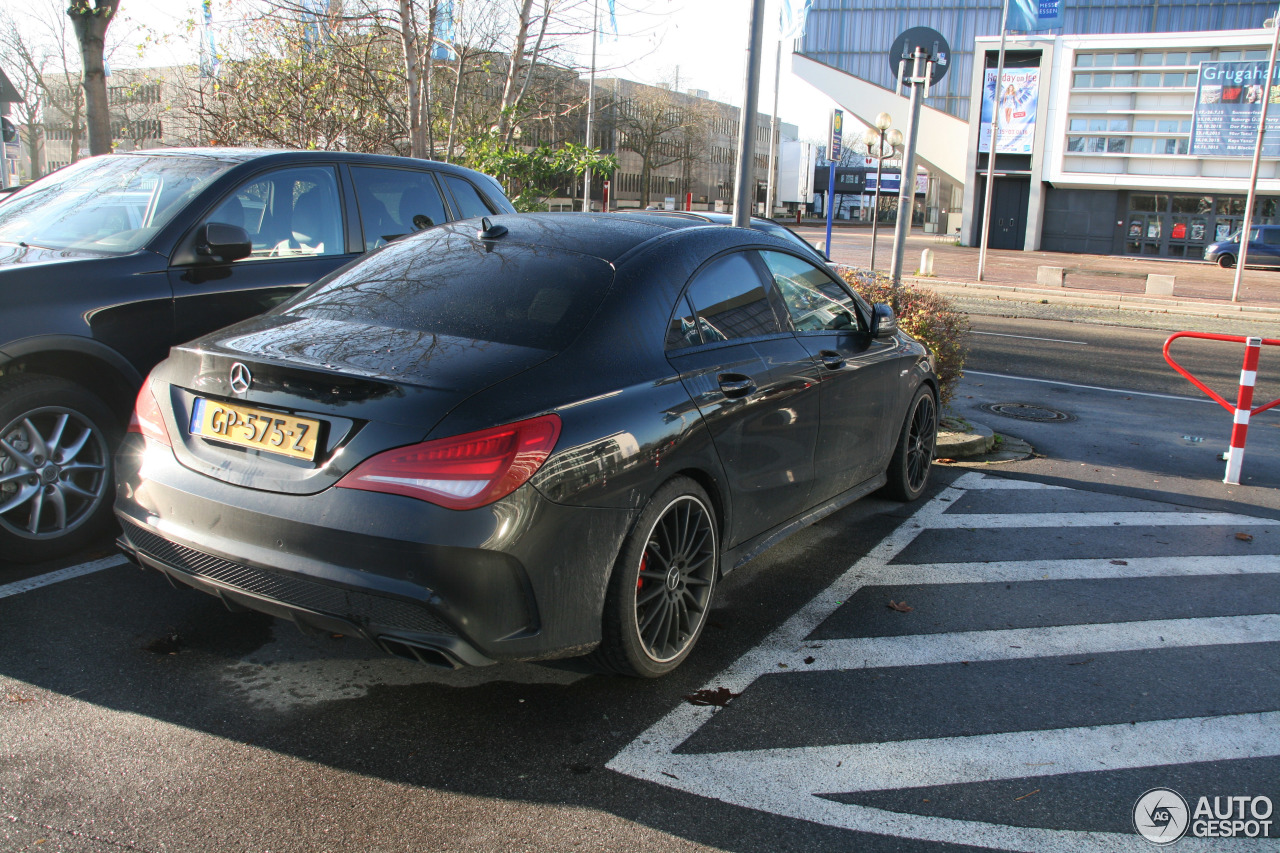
(531, 438)
(1264, 248)
(107, 263)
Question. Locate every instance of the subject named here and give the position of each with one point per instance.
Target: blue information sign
(837, 134)
(1229, 107)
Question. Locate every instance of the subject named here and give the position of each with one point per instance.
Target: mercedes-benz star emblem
(241, 378)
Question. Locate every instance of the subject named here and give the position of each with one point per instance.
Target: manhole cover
(1027, 412)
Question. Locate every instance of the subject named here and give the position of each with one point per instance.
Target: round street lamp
(880, 143)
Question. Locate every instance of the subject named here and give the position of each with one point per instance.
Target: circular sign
(934, 44)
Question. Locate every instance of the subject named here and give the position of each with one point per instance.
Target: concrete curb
(1120, 302)
(955, 445)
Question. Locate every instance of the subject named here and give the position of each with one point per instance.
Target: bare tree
(27, 60)
(662, 128)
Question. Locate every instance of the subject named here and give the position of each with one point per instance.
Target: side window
(683, 331)
(729, 301)
(815, 302)
(1271, 236)
(395, 202)
(470, 203)
(287, 213)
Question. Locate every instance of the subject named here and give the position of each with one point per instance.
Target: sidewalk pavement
(1201, 289)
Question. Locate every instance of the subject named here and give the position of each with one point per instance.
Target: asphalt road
(1081, 627)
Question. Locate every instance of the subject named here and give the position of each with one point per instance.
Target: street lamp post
(875, 140)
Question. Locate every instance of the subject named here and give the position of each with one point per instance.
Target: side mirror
(883, 323)
(223, 242)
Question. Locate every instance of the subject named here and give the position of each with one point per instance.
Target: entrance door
(1009, 200)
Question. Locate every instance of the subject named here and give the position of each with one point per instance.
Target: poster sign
(1228, 108)
(837, 136)
(1019, 97)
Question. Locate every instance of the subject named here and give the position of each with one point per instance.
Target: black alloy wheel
(662, 585)
(1227, 261)
(55, 467)
(913, 457)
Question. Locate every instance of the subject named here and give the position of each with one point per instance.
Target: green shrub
(927, 316)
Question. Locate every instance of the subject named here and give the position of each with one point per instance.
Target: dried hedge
(927, 316)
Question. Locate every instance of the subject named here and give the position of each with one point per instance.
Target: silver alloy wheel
(675, 579)
(53, 472)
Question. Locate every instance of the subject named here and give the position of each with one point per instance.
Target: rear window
(449, 283)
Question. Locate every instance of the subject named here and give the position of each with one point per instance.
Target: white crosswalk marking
(924, 649)
(789, 781)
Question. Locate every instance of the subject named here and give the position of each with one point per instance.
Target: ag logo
(1160, 816)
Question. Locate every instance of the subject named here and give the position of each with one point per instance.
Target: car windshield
(448, 283)
(112, 204)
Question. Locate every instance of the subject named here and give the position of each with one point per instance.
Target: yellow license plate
(273, 432)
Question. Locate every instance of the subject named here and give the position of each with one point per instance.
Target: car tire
(908, 472)
(1227, 261)
(56, 469)
(662, 584)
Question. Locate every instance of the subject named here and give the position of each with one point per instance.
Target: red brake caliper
(644, 566)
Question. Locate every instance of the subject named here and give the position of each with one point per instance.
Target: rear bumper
(521, 579)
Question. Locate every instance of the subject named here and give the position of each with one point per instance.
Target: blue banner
(1228, 108)
(1030, 15)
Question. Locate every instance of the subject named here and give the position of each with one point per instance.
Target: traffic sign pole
(834, 150)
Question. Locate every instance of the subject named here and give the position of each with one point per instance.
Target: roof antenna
(489, 231)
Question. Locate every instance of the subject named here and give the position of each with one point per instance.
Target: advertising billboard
(1019, 98)
(1229, 107)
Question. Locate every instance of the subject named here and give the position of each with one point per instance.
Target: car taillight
(146, 419)
(464, 471)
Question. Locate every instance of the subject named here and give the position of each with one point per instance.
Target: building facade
(854, 36)
(1109, 169)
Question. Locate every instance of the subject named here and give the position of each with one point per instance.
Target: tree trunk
(453, 109)
(413, 85)
(428, 75)
(33, 145)
(645, 173)
(533, 58)
(517, 53)
(90, 24)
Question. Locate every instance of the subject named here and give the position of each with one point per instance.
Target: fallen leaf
(1244, 537)
(1024, 796)
(945, 461)
(14, 697)
(1119, 562)
(166, 645)
(810, 659)
(900, 606)
(717, 696)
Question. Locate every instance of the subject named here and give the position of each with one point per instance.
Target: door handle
(736, 385)
(832, 360)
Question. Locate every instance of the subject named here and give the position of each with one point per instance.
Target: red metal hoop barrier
(1241, 411)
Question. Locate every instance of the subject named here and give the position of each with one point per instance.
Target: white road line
(1016, 643)
(19, 587)
(1001, 483)
(785, 781)
(1029, 338)
(1019, 521)
(1091, 387)
(1010, 571)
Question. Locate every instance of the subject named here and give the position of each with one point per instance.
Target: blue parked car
(1264, 248)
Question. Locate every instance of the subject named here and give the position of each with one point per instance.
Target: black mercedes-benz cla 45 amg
(525, 437)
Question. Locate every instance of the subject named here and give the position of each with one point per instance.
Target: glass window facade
(854, 36)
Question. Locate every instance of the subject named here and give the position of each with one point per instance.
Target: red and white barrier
(1243, 409)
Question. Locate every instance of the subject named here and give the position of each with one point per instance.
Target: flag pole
(991, 149)
(1247, 225)
(591, 104)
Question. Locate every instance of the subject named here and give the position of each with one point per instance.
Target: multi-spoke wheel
(55, 467)
(662, 584)
(913, 457)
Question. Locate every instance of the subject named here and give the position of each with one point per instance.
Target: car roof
(290, 155)
(602, 235)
